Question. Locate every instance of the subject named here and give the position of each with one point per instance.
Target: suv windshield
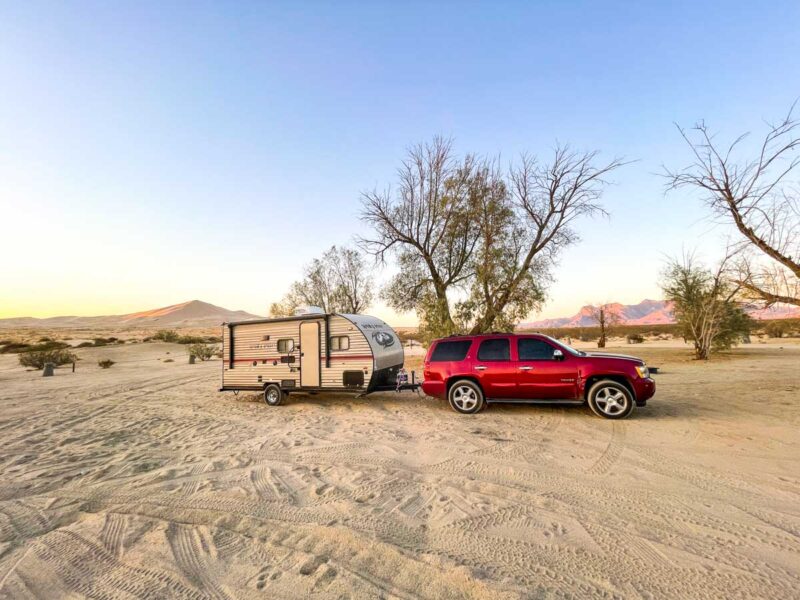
(562, 345)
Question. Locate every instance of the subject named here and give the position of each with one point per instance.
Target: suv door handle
(480, 368)
(526, 368)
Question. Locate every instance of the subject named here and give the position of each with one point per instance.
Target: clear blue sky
(156, 152)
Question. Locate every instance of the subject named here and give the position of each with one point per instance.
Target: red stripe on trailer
(278, 358)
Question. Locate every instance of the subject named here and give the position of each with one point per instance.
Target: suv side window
(447, 351)
(533, 349)
(495, 349)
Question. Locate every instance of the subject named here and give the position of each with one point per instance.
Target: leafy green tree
(339, 281)
(704, 306)
(475, 244)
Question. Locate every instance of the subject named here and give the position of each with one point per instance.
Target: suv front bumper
(645, 389)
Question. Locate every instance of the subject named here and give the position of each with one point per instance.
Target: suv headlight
(643, 371)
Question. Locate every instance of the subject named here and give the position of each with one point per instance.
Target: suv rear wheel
(274, 395)
(610, 400)
(465, 396)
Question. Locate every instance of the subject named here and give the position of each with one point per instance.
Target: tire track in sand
(188, 550)
(112, 534)
(614, 449)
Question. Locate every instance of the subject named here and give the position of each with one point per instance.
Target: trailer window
(285, 346)
(447, 351)
(340, 342)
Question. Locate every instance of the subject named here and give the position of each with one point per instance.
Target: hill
(647, 312)
(195, 313)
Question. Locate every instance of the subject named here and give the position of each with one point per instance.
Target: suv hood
(615, 356)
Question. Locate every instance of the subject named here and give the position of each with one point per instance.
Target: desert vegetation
(101, 341)
(340, 282)
(201, 351)
(106, 363)
(172, 336)
(705, 306)
(475, 242)
(37, 359)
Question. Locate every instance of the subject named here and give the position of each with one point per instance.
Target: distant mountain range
(647, 312)
(188, 314)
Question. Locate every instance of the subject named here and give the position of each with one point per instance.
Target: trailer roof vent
(308, 310)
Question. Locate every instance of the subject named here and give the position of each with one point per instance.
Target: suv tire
(465, 397)
(610, 399)
(274, 395)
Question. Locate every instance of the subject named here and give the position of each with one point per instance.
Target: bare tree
(338, 282)
(704, 305)
(755, 196)
(606, 317)
(426, 225)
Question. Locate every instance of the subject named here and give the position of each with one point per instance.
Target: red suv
(472, 370)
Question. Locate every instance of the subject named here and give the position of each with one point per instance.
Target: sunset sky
(158, 152)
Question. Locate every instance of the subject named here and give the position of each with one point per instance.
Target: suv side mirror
(558, 354)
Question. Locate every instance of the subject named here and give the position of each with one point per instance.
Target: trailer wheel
(274, 395)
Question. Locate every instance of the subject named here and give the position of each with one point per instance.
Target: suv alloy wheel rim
(272, 395)
(465, 397)
(611, 401)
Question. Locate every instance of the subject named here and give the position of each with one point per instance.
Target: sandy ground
(144, 481)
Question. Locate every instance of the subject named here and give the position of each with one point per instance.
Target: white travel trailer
(311, 352)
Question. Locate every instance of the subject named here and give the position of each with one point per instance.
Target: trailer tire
(274, 395)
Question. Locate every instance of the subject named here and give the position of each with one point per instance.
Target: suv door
(495, 369)
(543, 376)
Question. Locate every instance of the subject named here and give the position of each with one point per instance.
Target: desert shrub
(776, 329)
(201, 351)
(167, 335)
(105, 364)
(198, 339)
(14, 347)
(45, 339)
(47, 346)
(38, 359)
(86, 345)
(635, 338)
(191, 339)
(584, 337)
(704, 307)
(169, 360)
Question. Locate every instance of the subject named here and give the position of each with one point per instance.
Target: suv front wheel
(610, 399)
(465, 396)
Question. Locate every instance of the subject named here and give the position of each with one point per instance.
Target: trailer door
(309, 354)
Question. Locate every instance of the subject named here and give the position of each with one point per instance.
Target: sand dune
(194, 313)
(143, 481)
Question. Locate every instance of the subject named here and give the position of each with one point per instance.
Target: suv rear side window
(447, 351)
(532, 349)
(495, 349)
